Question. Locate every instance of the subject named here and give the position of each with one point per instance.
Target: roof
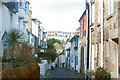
(57, 46)
(36, 20)
(74, 36)
(82, 15)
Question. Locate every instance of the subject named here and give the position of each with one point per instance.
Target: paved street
(61, 73)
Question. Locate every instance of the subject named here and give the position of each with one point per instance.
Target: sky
(58, 15)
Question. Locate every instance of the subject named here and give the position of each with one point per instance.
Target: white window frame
(111, 6)
(107, 49)
(99, 11)
(93, 13)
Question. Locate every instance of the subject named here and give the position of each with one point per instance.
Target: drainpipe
(88, 37)
(88, 61)
(101, 33)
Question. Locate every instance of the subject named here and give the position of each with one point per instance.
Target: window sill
(109, 16)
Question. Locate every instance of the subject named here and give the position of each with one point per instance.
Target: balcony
(13, 6)
(21, 13)
(26, 18)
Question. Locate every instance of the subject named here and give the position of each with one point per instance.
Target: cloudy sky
(62, 15)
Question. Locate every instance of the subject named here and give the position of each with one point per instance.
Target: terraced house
(104, 36)
(84, 47)
(13, 15)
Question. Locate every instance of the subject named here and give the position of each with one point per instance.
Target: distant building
(62, 61)
(43, 40)
(63, 36)
(67, 54)
(58, 48)
(36, 33)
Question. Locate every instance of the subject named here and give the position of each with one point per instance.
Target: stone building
(104, 32)
(83, 41)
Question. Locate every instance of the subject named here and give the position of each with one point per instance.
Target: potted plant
(91, 74)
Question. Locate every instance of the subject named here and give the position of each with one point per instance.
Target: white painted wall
(43, 67)
(1, 50)
(85, 59)
(32, 40)
(92, 57)
(79, 57)
(74, 53)
(34, 28)
(61, 60)
(53, 64)
(11, 20)
(8, 20)
(49, 65)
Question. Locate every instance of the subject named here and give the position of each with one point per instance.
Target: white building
(62, 61)
(67, 54)
(63, 36)
(13, 15)
(31, 39)
(37, 34)
(43, 39)
(75, 53)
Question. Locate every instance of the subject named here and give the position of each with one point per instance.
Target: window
(76, 42)
(76, 60)
(99, 12)
(20, 3)
(111, 6)
(119, 69)
(31, 39)
(93, 13)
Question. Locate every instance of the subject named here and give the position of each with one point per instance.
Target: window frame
(111, 6)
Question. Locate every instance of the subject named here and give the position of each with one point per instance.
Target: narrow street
(61, 73)
(60, 39)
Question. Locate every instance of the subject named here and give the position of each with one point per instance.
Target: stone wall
(110, 40)
(110, 50)
(119, 39)
(96, 37)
